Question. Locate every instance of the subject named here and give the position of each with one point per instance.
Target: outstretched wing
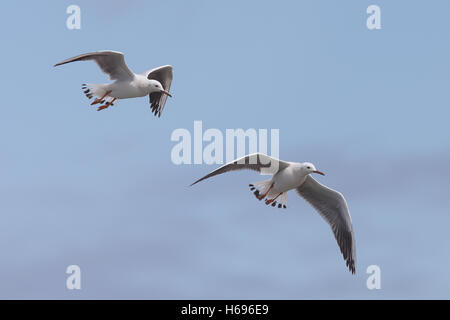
(332, 206)
(257, 161)
(111, 62)
(164, 75)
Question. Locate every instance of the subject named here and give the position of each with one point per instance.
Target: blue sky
(98, 189)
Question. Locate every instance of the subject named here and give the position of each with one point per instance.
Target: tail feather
(280, 201)
(91, 90)
(260, 188)
(87, 91)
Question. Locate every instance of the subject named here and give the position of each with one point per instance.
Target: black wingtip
(194, 183)
(351, 266)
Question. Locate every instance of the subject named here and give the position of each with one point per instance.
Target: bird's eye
(308, 167)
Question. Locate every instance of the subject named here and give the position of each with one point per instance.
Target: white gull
(286, 176)
(155, 82)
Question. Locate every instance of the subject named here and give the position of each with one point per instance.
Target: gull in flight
(329, 203)
(155, 83)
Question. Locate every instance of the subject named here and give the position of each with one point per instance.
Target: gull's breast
(287, 179)
(126, 90)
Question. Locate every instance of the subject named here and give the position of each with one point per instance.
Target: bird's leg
(98, 100)
(265, 194)
(106, 105)
(269, 201)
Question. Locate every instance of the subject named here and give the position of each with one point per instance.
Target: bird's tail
(279, 201)
(91, 90)
(262, 188)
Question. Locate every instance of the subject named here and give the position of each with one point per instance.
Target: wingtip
(351, 266)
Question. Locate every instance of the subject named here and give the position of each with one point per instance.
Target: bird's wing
(111, 63)
(164, 75)
(332, 206)
(256, 161)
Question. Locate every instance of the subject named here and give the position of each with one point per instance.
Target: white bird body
(155, 83)
(289, 178)
(286, 176)
(139, 86)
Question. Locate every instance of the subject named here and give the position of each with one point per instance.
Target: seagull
(286, 176)
(155, 82)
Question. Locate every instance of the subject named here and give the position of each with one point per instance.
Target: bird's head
(156, 86)
(310, 168)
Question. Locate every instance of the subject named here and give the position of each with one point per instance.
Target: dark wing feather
(257, 162)
(164, 75)
(332, 206)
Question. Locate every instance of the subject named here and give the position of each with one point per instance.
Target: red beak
(319, 172)
(166, 92)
